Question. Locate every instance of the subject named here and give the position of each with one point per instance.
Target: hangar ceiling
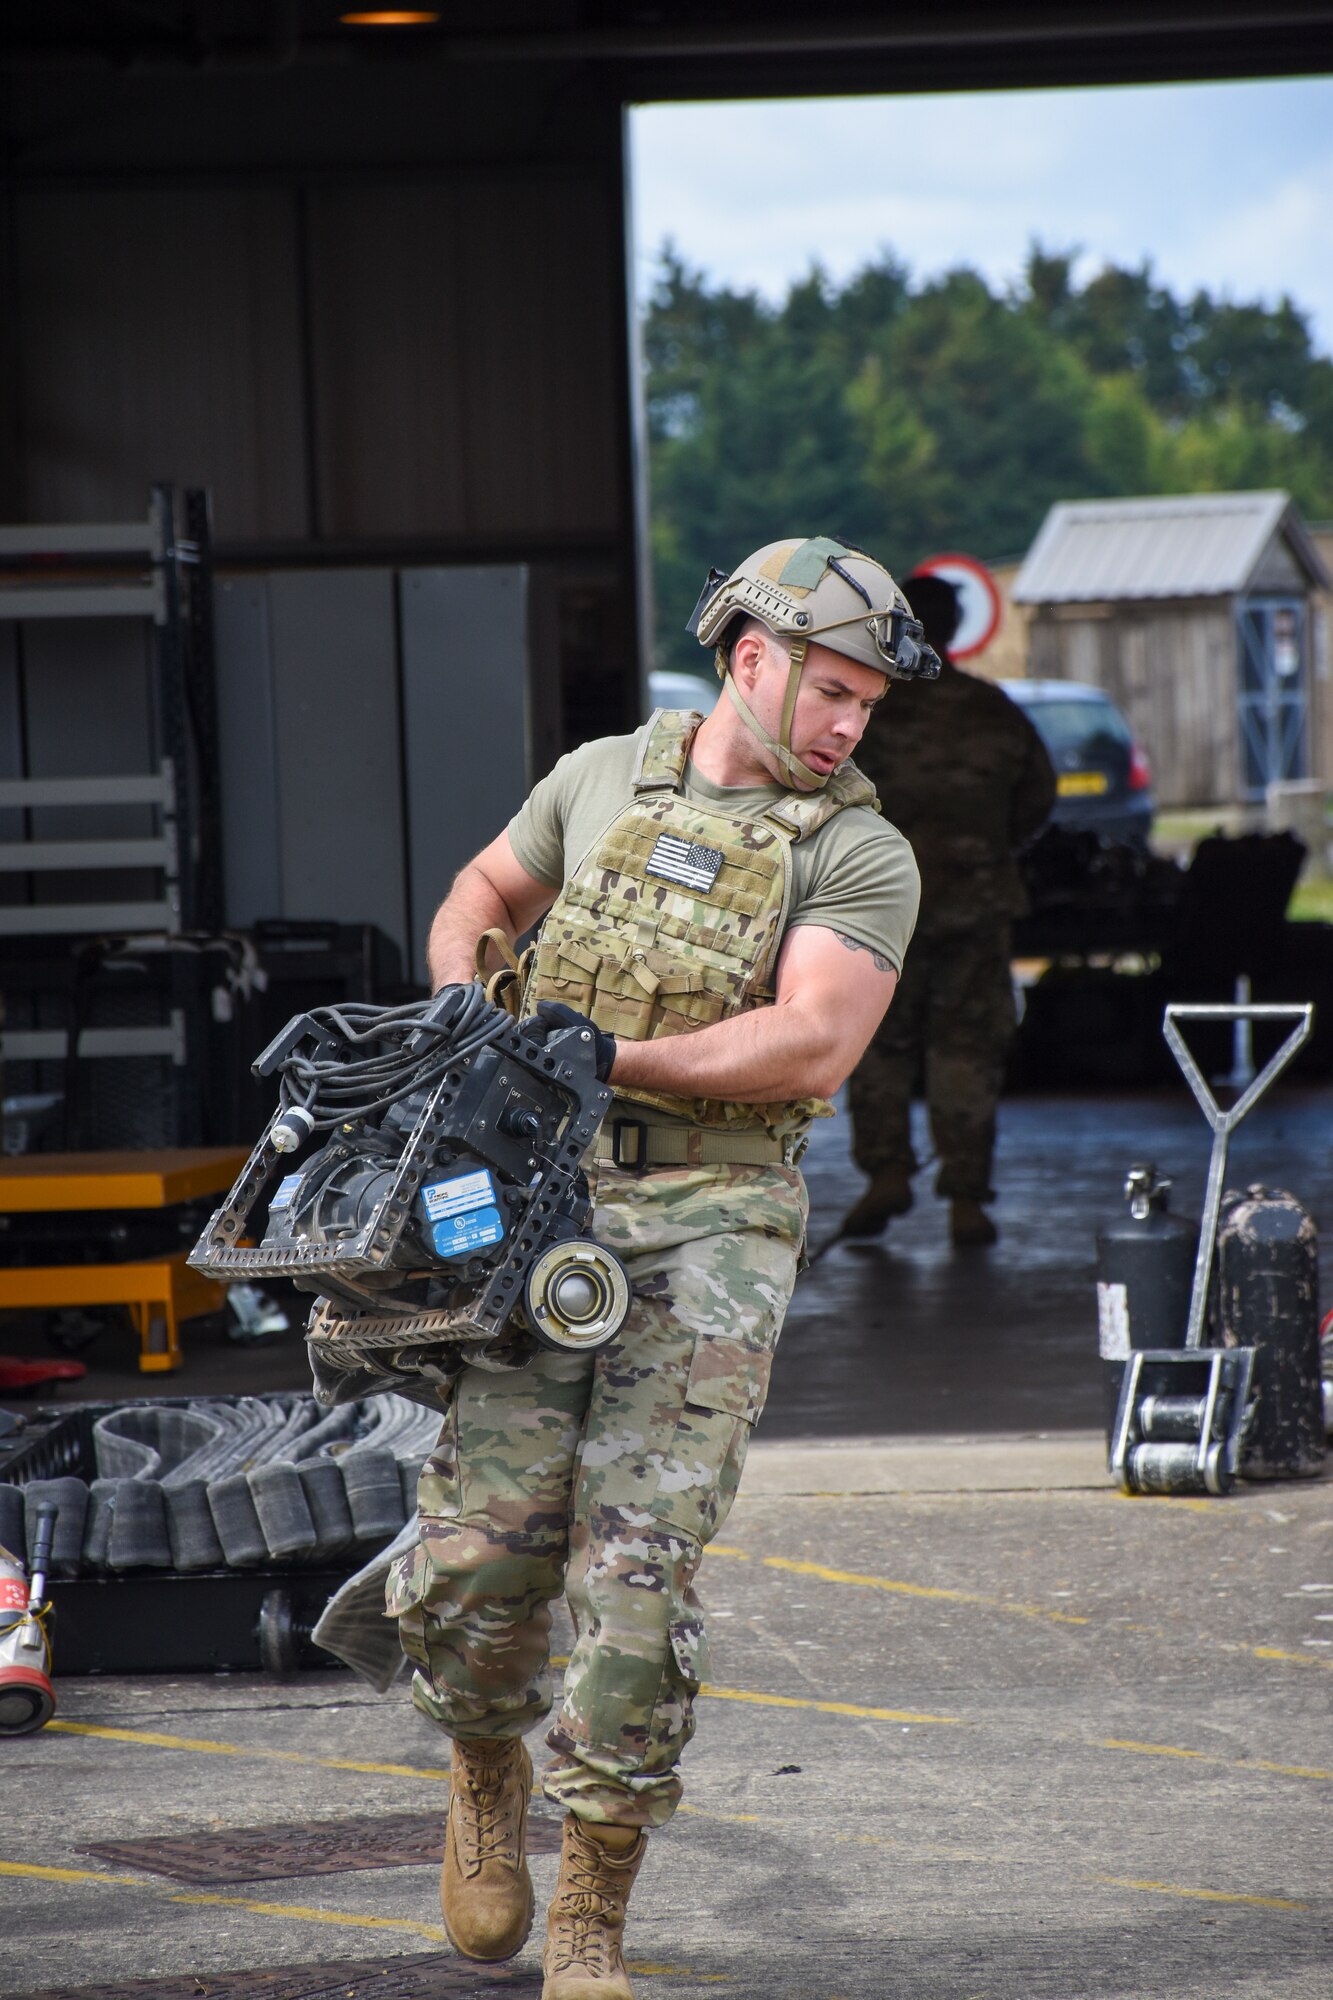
(713, 48)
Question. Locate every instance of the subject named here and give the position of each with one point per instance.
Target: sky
(1224, 186)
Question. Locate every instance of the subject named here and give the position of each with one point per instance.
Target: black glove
(552, 1016)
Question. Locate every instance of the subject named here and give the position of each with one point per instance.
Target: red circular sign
(978, 601)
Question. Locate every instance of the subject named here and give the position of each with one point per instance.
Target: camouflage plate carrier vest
(674, 916)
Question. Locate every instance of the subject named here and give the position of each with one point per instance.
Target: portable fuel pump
(423, 1175)
(27, 1699)
(1185, 1408)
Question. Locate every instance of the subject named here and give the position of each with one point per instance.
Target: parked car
(1103, 778)
(669, 688)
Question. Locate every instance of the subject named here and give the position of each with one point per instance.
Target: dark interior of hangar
(343, 313)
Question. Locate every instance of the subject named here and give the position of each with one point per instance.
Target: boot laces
(488, 1820)
(588, 1919)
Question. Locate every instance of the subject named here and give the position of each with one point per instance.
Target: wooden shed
(1196, 613)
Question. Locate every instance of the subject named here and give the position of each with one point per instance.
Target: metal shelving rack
(158, 569)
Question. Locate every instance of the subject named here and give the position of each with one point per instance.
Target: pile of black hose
(234, 1483)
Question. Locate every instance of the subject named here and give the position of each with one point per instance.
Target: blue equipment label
(283, 1192)
(465, 1213)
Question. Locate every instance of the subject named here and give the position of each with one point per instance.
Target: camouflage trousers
(604, 1476)
(951, 1024)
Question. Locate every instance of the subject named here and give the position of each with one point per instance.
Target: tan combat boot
(889, 1194)
(582, 1959)
(485, 1888)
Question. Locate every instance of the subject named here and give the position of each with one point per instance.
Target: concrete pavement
(975, 1726)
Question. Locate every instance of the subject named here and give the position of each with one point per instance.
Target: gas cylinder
(1267, 1277)
(1145, 1271)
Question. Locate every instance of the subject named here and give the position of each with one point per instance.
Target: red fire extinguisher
(27, 1699)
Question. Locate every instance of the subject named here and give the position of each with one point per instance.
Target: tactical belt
(634, 1145)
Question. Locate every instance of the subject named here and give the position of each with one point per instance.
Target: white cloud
(1228, 186)
(1281, 241)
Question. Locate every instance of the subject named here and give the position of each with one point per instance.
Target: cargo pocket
(729, 1377)
(702, 1467)
(565, 970)
(696, 1001)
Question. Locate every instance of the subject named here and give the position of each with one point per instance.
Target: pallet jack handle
(1224, 1123)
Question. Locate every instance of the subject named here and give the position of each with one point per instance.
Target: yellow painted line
(166, 1742)
(827, 1707)
(1202, 1757)
(307, 1914)
(205, 1746)
(1124, 1744)
(1206, 1757)
(349, 1920)
(753, 1697)
(1157, 1750)
(1281, 1770)
(898, 1588)
(300, 1912)
(902, 1589)
(1198, 1895)
(33, 1871)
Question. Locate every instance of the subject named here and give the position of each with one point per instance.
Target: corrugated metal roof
(1184, 545)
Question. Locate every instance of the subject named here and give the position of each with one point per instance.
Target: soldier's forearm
(472, 906)
(755, 1058)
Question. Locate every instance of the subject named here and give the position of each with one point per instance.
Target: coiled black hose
(421, 1044)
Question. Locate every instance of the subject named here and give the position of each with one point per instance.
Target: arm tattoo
(854, 944)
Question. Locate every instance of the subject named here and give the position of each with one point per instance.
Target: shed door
(1274, 676)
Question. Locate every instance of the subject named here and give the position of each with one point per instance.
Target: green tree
(911, 418)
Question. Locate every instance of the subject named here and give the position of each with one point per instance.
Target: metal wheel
(277, 1634)
(577, 1296)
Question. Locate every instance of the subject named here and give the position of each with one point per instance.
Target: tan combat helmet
(813, 589)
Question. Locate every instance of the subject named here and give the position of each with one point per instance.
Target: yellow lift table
(160, 1291)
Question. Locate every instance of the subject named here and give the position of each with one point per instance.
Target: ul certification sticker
(464, 1214)
(1113, 1322)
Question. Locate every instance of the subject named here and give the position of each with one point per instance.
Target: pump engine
(422, 1174)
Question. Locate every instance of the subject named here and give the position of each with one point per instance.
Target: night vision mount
(423, 1175)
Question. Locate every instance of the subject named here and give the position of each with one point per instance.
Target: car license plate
(1082, 784)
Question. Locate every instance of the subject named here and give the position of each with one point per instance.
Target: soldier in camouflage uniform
(962, 771)
(728, 912)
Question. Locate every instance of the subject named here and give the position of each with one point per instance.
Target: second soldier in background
(962, 772)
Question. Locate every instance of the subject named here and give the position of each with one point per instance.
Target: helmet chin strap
(793, 770)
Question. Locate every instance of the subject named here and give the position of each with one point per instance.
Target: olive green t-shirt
(856, 874)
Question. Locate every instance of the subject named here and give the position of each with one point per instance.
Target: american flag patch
(684, 861)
